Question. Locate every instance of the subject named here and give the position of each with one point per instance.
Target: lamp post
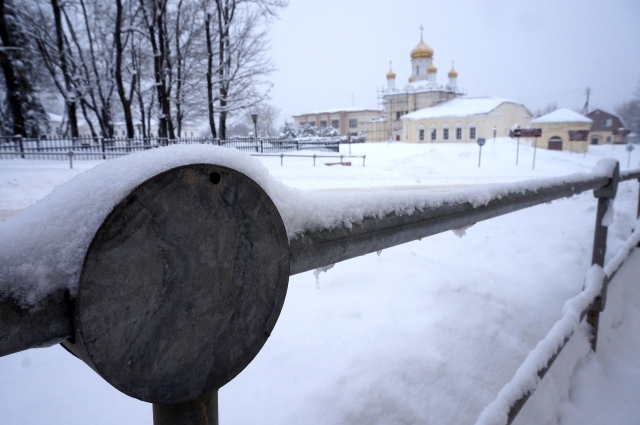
(254, 117)
(495, 131)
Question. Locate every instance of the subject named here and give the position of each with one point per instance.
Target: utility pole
(585, 109)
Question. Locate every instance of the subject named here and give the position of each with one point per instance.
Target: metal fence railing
(23, 328)
(96, 148)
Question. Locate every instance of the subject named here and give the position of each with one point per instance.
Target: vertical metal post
(203, 411)
(479, 156)
(606, 197)
(281, 158)
(102, 143)
(70, 159)
(518, 151)
(638, 216)
(314, 159)
(21, 146)
(535, 148)
(365, 156)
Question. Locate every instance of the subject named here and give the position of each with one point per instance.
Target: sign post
(630, 149)
(579, 136)
(619, 132)
(481, 142)
(527, 132)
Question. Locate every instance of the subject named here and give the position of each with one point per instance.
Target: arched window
(458, 131)
(433, 133)
(421, 133)
(473, 131)
(445, 132)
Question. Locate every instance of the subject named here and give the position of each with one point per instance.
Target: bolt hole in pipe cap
(181, 285)
(215, 178)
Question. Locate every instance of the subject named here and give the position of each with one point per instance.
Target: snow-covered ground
(427, 332)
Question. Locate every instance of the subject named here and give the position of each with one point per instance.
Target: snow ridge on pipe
(50, 238)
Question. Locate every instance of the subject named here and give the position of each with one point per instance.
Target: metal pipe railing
(315, 249)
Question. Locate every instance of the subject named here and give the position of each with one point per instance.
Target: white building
(464, 120)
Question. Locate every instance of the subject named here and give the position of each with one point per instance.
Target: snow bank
(526, 378)
(49, 239)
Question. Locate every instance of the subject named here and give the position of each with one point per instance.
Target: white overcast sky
(533, 52)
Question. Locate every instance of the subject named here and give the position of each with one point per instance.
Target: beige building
(421, 91)
(464, 120)
(347, 121)
(603, 127)
(555, 130)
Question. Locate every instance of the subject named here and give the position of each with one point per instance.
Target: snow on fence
(96, 148)
(188, 252)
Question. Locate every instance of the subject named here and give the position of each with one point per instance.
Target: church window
(421, 134)
(323, 124)
(398, 115)
(433, 134)
(353, 123)
(608, 139)
(472, 133)
(417, 70)
(445, 133)
(458, 133)
(335, 123)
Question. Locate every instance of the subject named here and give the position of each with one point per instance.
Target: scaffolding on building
(395, 105)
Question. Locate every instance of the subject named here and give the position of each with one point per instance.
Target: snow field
(427, 332)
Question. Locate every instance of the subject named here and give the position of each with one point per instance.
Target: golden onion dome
(391, 75)
(432, 68)
(411, 79)
(453, 73)
(422, 50)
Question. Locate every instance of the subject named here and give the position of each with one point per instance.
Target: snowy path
(427, 332)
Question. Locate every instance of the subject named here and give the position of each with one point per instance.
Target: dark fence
(96, 148)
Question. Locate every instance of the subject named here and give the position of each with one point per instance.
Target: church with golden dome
(421, 91)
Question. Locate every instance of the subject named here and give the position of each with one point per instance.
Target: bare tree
(93, 62)
(155, 14)
(69, 90)
(125, 95)
(242, 63)
(545, 110)
(267, 118)
(189, 49)
(629, 112)
(26, 114)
